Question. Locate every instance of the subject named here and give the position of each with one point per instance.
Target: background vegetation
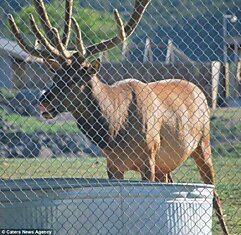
(196, 27)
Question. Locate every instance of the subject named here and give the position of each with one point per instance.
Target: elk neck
(103, 112)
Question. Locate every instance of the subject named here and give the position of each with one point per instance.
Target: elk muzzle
(46, 109)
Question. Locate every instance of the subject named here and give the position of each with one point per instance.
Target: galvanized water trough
(98, 206)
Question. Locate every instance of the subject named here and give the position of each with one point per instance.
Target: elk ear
(94, 67)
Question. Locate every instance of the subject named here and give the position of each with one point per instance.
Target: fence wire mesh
(112, 123)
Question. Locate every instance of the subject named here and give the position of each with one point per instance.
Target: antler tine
(51, 32)
(59, 45)
(43, 40)
(139, 9)
(67, 22)
(28, 49)
(120, 26)
(44, 19)
(79, 42)
(140, 6)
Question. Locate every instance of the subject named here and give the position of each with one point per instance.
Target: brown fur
(169, 118)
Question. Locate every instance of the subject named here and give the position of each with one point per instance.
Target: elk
(151, 128)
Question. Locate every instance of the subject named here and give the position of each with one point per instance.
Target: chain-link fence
(130, 143)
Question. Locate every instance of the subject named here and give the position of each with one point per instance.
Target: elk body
(150, 128)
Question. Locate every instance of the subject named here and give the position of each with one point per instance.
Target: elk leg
(202, 157)
(113, 171)
(149, 171)
(219, 212)
(169, 177)
(148, 168)
(116, 174)
(160, 176)
(165, 178)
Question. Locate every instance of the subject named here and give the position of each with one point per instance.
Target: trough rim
(60, 183)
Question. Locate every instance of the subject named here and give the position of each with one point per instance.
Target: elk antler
(79, 42)
(67, 24)
(140, 6)
(55, 48)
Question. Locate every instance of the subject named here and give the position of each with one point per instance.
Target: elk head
(71, 72)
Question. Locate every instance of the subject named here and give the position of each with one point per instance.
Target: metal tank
(98, 206)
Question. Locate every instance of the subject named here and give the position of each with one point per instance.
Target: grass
(226, 125)
(32, 125)
(6, 94)
(228, 175)
(226, 136)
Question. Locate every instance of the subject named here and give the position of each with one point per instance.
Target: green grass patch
(226, 125)
(6, 94)
(219, 131)
(32, 125)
